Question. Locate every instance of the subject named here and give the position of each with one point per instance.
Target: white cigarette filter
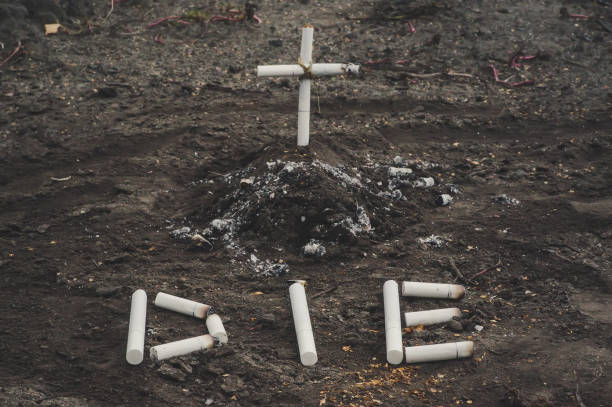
(431, 317)
(215, 328)
(316, 70)
(432, 290)
(303, 328)
(393, 324)
(181, 305)
(178, 348)
(442, 351)
(304, 97)
(136, 332)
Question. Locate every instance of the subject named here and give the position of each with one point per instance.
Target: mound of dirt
(312, 208)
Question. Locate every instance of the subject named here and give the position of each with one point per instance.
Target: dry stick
(169, 18)
(320, 293)
(111, 10)
(12, 53)
(513, 84)
(480, 273)
(460, 276)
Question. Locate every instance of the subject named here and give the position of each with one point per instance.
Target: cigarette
(215, 328)
(442, 351)
(136, 332)
(182, 305)
(393, 324)
(178, 348)
(316, 70)
(303, 328)
(431, 317)
(432, 290)
(304, 98)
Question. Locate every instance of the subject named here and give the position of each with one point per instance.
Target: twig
(111, 10)
(453, 73)
(320, 293)
(505, 82)
(514, 61)
(460, 275)
(68, 178)
(577, 393)
(169, 18)
(423, 75)
(480, 273)
(15, 52)
(158, 38)
(412, 29)
(569, 61)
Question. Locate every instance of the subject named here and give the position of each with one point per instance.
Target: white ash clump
(506, 200)
(183, 233)
(362, 225)
(424, 182)
(267, 268)
(314, 248)
(338, 173)
(416, 163)
(399, 172)
(453, 189)
(444, 200)
(432, 241)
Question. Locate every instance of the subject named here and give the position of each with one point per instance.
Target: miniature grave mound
(300, 205)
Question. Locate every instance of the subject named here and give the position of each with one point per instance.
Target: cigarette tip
(308, 25)
(301, 282)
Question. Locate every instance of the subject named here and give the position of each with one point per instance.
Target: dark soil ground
(115, 137)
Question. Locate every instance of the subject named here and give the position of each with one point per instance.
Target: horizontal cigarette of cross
(306, 71)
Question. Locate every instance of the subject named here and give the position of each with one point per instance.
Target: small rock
(169, 372)
(424, 182)
(506, 200)
(247, 181)
(444, 200)
(454, 326)
(107, 291)
(181, 233)
(314, 248)
(43, 228)
(478, 328)
(107, 92)
(276, 43)
(232, 384)
(399, 172)
(433, 241)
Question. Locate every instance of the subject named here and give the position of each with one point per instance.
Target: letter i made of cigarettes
(136, 334)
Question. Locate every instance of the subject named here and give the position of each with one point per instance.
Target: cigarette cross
(306, 70)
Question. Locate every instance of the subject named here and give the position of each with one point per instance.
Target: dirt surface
(120, 142)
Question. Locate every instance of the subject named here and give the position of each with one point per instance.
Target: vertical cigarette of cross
(393, 323)
(136, 331)
(303, 328)
(306, 70)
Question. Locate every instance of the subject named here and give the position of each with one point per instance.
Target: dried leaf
(52, 28)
